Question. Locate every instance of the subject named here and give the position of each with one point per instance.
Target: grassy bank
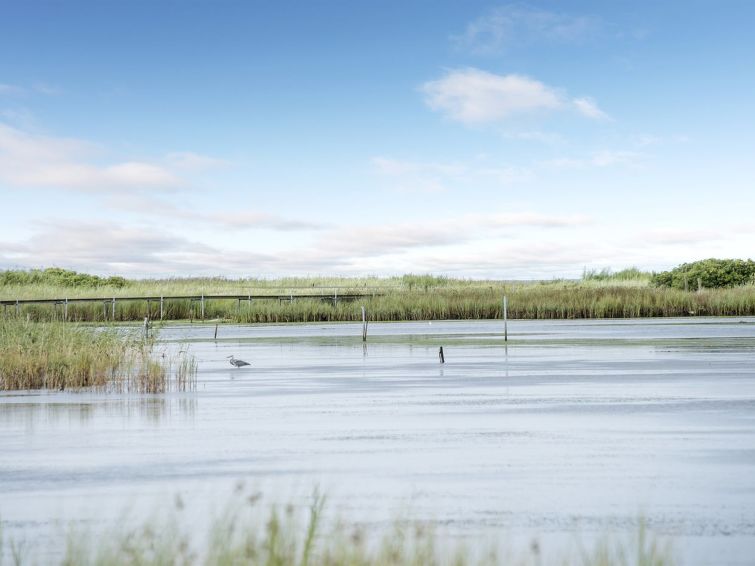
(55, 355)
(251, 534)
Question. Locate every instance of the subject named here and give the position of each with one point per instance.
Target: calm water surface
(574, 430)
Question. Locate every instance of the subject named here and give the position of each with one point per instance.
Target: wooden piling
(505, 318)
(201, 305)
(113, 313)
(216, 332)
(364, 324)
(65, 310)
(441, 357)
(162, 306)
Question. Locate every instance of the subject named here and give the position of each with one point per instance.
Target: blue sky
(473, 139)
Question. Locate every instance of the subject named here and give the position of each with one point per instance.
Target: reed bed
(60, 356)
(405, 298)
(250, 533)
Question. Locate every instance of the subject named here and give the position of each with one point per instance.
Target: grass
(249, 533)
(624, 294)
(60, 356)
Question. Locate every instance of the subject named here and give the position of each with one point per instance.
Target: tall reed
(250, 534)
(56, 355)
(408, 298)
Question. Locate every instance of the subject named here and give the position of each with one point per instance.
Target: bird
(237, 363)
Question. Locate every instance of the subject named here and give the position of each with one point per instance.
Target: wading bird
(237, 363)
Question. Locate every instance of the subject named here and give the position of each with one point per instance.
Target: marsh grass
(252, 533)
(624, 294)
(61, 356)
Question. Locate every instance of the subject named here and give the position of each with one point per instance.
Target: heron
(237, 363)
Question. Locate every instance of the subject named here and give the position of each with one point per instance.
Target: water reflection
(35, 411)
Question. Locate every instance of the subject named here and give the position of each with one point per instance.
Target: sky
(470, 139)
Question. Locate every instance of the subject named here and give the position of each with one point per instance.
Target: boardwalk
(15, 305)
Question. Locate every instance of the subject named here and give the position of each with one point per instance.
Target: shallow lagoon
(573, 430)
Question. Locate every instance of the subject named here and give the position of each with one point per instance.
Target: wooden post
(505, 318)
(699, 284)
(146, 327)
(161, 307)
(65, 310)
(216, 332)
(441, 357)
(18, 308)
(113, 313)
(104, 310)
(201, 305)
(364, 324)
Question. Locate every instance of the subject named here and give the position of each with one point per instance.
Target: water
(576, 429)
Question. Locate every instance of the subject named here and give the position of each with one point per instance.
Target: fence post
(505, 319)
(364, 324)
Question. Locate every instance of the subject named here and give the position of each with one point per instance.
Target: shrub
(712, 274)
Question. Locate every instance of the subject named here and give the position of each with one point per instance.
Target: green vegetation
(55, 355)
(601, 294)
(301, 537)
(57, 277)
(708, 273)
(629, 274)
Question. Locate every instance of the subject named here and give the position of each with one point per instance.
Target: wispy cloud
(588, 107)
(35, 160)
(36, 88)
(146, 248)
(191, 161)
(603, 158)
(148, 206)
(549, 138)
(8, 89)
(473, 97)
(511, 26)
(419, 176)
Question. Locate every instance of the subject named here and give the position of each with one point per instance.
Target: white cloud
(603, 158)
(35, 160)
(394, 238)
(194, 161)
(588, 107)
(511, 26)
(474, 96)
(419, 176)
(237, 220)
(149, 249)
